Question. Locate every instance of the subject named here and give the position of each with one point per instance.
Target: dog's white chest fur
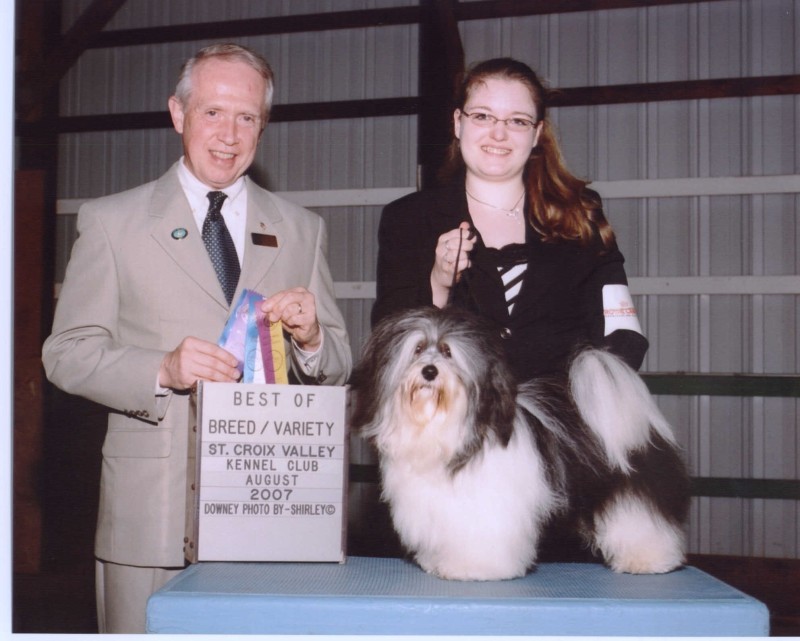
(482, 522)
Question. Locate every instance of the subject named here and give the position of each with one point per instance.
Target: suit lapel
(173, 227)
(264, 239)
(545, 264)
(450, 209)
(485, 286)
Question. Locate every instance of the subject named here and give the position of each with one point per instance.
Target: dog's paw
(473, 574)
(636, 540)
(648, 561)
(474, 570)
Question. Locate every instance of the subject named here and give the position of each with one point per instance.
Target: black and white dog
(473, 466)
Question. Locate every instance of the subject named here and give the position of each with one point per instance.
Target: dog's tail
(615, 403)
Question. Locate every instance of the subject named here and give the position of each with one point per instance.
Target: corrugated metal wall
(721, 235)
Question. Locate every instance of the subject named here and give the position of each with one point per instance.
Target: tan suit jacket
(134, 288)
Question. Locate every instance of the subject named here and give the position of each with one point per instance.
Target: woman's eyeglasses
(485, 120)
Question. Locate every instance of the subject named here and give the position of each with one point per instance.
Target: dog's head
(436, 379)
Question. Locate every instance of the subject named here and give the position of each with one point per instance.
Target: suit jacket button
(322, 378)
(505, 333)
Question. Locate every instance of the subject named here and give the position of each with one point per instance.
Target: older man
(147, 292)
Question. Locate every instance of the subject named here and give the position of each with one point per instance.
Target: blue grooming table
(379, 596)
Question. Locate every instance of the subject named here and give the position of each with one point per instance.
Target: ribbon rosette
(255, 342)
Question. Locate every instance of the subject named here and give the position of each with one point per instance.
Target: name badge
(264, 240)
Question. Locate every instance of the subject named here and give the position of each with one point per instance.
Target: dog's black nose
(429, 372)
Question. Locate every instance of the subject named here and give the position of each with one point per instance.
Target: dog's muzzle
(429, 372)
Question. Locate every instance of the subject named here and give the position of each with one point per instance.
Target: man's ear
(176, 111)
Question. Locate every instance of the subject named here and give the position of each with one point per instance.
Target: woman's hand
(451, 259)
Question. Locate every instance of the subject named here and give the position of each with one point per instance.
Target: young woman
(512, 236)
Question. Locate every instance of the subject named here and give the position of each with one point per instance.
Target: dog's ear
(365, 397)
(494, 409)
(497, 405)
(361, 409)
(368, 385)
(494, 389)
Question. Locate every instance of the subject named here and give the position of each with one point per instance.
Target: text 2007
(266, 494)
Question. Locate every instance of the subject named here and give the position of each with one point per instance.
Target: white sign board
(270, 482)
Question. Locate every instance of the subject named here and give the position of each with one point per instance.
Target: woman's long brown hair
(561, 208)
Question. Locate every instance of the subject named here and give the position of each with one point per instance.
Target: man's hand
(197, 360)
(296, 309)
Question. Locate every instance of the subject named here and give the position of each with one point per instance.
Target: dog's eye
(444, 348)
(419, 348)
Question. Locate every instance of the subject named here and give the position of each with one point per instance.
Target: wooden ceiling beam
(301, 23)
(373, 108)
(676, 90)
(446, 11)
(38, 81)
(488, 9)
(568, 97)
(356, 19)
(441, 61)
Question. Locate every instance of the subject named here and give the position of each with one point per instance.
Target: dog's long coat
(474, 467)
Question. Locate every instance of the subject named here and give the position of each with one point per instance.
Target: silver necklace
(514, 212)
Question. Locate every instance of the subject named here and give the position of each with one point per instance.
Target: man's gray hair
(231, 53)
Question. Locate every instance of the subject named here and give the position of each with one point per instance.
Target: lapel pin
(180, 233)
